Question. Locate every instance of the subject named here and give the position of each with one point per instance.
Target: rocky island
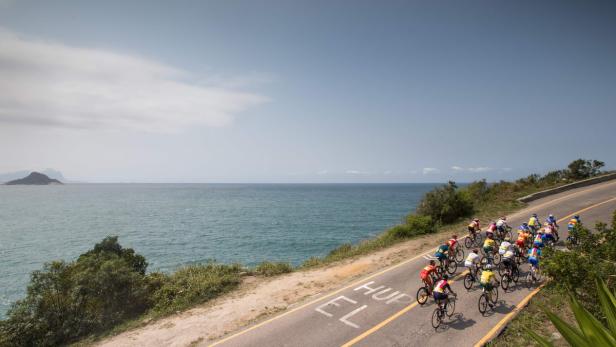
(34, 178)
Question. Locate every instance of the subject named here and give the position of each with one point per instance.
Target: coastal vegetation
(572, 292)
(109, 284)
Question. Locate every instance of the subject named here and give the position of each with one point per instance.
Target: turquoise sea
(177, 224)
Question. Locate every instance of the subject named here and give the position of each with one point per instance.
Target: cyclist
(474, 227)
(453, 242)
(523, 236)
(551, 220)
(507, 259)
(534, 255)
(440, 291)
(491, 229)
(472, 262)
(488, 245)
(534, 223)
(427, 272)
(442, 253)
(538, 242)
(505, 246)
(548, 233)
(487, 281)
(501, 224)
(573, 222)
(572, 226)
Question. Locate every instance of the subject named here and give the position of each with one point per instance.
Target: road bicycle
(503, 234)
(473, 240)
(488, 297)
(471, 277)
(508, 275)
(533, 276)
(446, 266)
(424, 292)
(441, 311)
(493, 259)
(458, 256)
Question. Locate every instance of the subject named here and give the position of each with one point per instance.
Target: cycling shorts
(534, 262)
(520, 243)
(440, 256)
(488, 249)
(487, 286)
(440, 296)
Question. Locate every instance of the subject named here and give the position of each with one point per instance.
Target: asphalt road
(381, 310)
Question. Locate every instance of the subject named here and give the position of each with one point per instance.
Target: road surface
(381, 310)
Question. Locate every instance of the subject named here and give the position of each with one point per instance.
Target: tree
(580, 168)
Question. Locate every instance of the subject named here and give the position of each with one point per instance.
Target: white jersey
(471, 259)
(504, 247)
(500, 222)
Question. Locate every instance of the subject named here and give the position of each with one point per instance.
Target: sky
(305, 91)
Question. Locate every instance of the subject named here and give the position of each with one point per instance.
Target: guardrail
(583, 183)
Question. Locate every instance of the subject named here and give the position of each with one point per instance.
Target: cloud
(51, 84)
(471, 169)
(430, 170)
(353, 172)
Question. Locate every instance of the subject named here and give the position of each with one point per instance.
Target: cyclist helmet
(576, 217)
(534, 215)
(455, 237)
(551, 216)
(503, 218)
(489, 267)
(475, 251)
(445, 276)
(525, 224)
(476, 220)
(432, 262)
(507, 239)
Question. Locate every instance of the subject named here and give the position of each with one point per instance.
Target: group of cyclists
(498, 248)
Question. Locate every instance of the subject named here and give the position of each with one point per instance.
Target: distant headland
(34, 178)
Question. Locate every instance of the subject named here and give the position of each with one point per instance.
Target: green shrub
(267, 268)
(446, 204)
(195, 284)
(312, 262)
(66, 301)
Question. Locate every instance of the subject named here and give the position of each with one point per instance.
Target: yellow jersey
(486, 276)
(488, 243)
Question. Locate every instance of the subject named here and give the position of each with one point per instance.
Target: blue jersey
(551, 220)
(534, 253)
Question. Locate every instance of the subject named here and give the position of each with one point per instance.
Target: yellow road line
(391, 318)
(367, 278)
(491, 332)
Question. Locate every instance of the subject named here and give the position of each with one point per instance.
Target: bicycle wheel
(452, 266)
(483, 303)
(468, 281)
(483, 262)
(515, 275)
(505, 282)
(494, 294)
(450, 308)
(502, 269)
(459, 255)
(436, 318)
(468, 242)
(497, 259)
(529, 279)
(422, 295)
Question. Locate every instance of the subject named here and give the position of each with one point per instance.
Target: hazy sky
(314, 91)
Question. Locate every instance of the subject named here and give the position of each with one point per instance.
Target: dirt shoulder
(259, 298)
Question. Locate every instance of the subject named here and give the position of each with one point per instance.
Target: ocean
(178, 224)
